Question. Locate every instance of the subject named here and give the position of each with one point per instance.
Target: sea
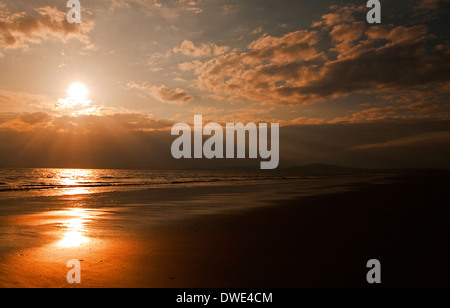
(53, 182)
(33, 182)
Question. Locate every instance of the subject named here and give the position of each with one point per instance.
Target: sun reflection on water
(74, 181)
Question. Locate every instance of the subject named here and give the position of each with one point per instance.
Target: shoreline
(290, 241)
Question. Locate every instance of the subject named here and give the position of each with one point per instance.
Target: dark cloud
(133, 141)
(439, 137)
(296, 69)
(397, 66)
(427, 5)
(395, 144)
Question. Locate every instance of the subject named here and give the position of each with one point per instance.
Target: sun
(78, 91)
(77, 101)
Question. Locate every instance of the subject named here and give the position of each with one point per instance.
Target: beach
(277, 233)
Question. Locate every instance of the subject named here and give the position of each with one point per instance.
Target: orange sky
(143, 65)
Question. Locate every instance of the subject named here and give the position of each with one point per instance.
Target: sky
(344, 91)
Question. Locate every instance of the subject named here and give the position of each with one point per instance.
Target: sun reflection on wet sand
(75, 232)
(47, 240)
(67, 228)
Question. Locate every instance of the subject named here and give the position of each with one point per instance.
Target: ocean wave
(93, 185)
(48, 187)
(93, 181)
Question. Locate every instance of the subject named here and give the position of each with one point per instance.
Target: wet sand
(266, 235)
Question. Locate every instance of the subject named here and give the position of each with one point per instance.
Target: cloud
(230, 8)
(406, 105)
(188, 48)
(25, 121)
(397, 35)
(429, 10)
(171, 95)
(388, 113)
(100, 124)
(345, 38)
(76, 106)
(297, 68)
(12, 101)
(399, 64)
(81, 124)
(429, 5)
(408, 141)
(118, 4)
(339, 15)
(298, 45)
(142, 141)
(87, 141)
(258, 30)
(254, 74)
(163, 93)
(307, 121)
(18, 30)
(190, 66)
(169, 9)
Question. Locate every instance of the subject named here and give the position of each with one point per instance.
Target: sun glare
(78, 91)
(77, 102)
